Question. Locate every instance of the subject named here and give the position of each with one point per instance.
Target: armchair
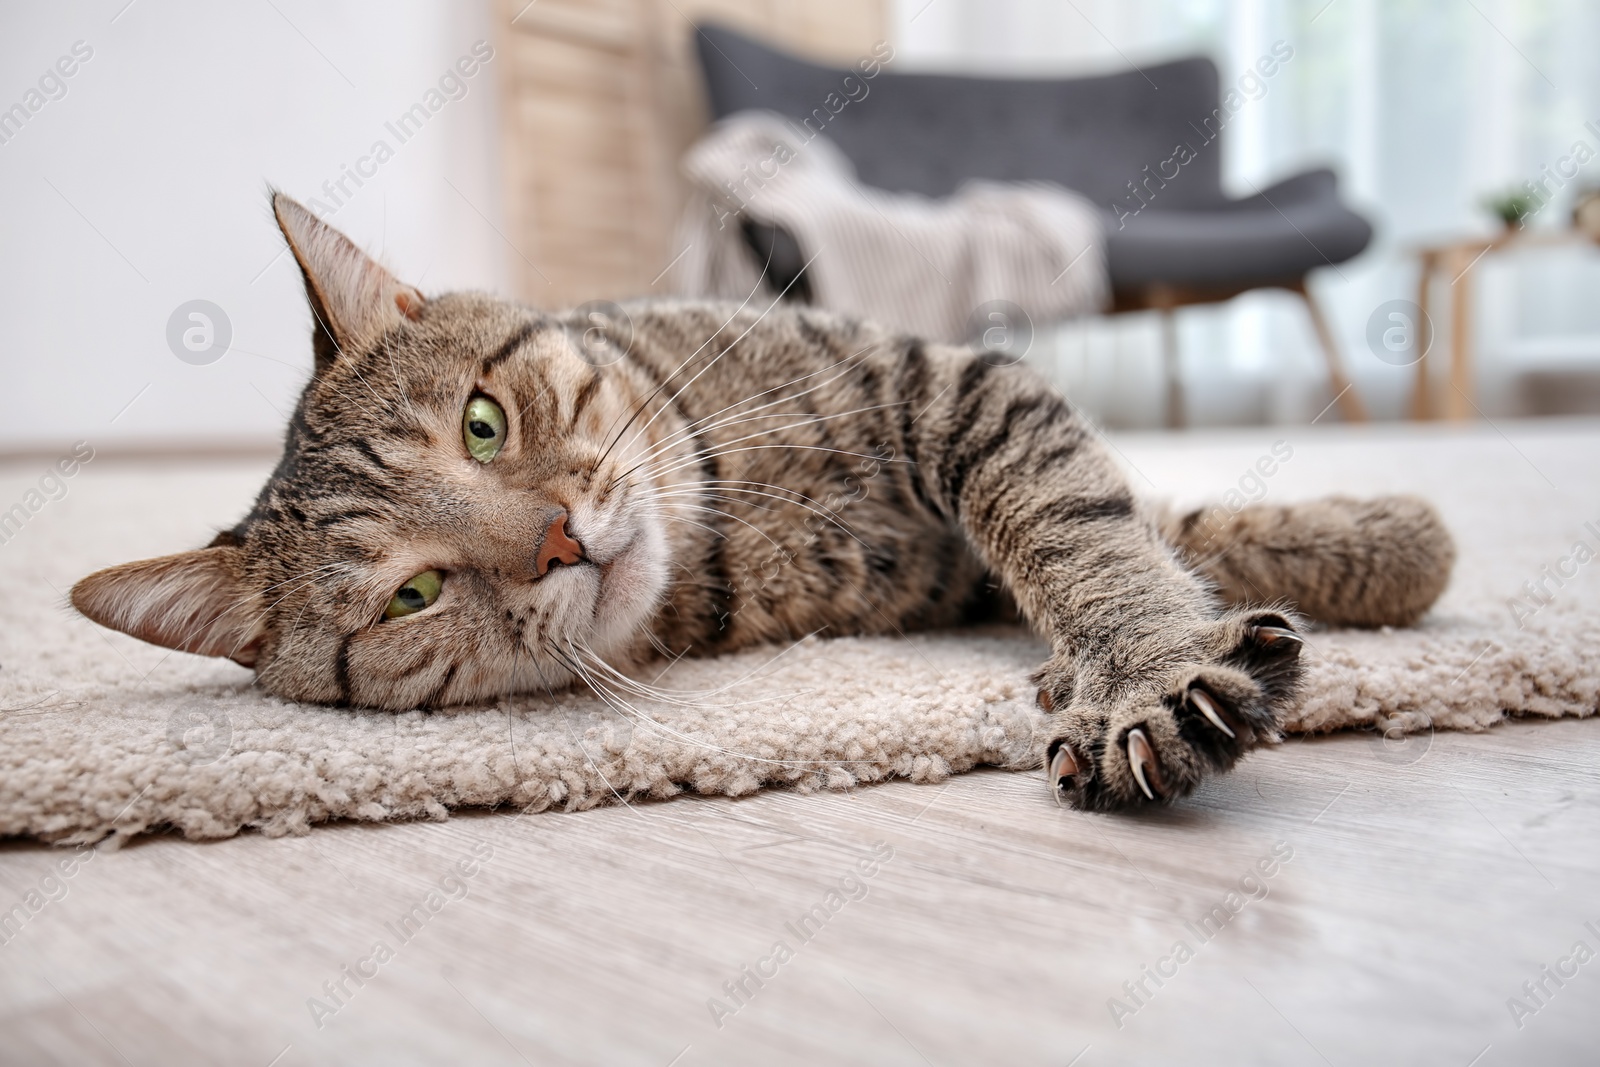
(1173, 236)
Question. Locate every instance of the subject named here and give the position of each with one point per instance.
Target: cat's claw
(1142, 758)
(1208, 707)
(1279, 638)
(1063, 768)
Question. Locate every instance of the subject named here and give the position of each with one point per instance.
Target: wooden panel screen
(601, 98)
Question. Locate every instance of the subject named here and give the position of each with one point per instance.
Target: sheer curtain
(1424, 109)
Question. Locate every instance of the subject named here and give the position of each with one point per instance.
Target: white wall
(144, 187)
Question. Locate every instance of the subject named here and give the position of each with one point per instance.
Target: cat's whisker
(343, 358)
(368, 387)
(671, 517)
(656, 643)
(702, 494)
(669, 447)
(333, 565)
(657, 693)
(640, 407)
(306, 578)
(533, 658)
(644, 692)
(671, 465)
(801, 419)
(703, 425)
(713, 361)
(626, 709)
(598, 662)
(757, 448)
(405, 396)
(818, 510)
(299, 617)
(698, 375)
(804, 419)
(710, 498)
(795, 495)
(311, 577)
(721, 487)
(741, 680)
(712, 421)
(728, 515)
(642, 404)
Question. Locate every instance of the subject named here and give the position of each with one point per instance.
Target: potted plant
(1512, 207)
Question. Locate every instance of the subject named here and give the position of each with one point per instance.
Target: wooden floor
(1425, 884)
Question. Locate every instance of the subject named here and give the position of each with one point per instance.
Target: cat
(476, 498)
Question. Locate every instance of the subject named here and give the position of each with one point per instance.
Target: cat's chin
(631, 586)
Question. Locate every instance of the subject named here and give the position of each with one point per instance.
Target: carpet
(103, 736)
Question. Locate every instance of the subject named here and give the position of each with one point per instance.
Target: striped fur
(737, 474)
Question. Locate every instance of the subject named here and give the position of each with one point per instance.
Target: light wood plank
(1419, 897)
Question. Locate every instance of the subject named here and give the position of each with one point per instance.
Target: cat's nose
(558, 547)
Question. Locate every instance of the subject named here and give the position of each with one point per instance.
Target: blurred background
(135, 185)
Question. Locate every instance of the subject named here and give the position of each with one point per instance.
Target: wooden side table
(1456, 259)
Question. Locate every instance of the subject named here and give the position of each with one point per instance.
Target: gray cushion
(1273, 237)
(928, 133)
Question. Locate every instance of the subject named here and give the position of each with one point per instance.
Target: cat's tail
(1342, 561)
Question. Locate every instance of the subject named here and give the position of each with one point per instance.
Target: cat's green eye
(483, 428)
(420, 592)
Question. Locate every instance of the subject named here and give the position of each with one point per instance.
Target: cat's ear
(353, 300)
(192, 602)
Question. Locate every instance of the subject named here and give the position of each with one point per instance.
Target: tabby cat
(476, 498)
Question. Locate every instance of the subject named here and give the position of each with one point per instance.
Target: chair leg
(1459, 404)
(1422, 383)
(1175, 415)
(1344, 390)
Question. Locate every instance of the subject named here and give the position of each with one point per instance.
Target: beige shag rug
(101, 735)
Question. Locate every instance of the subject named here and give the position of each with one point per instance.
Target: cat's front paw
(1152, 740)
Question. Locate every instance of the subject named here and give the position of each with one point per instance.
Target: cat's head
(456, 514)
